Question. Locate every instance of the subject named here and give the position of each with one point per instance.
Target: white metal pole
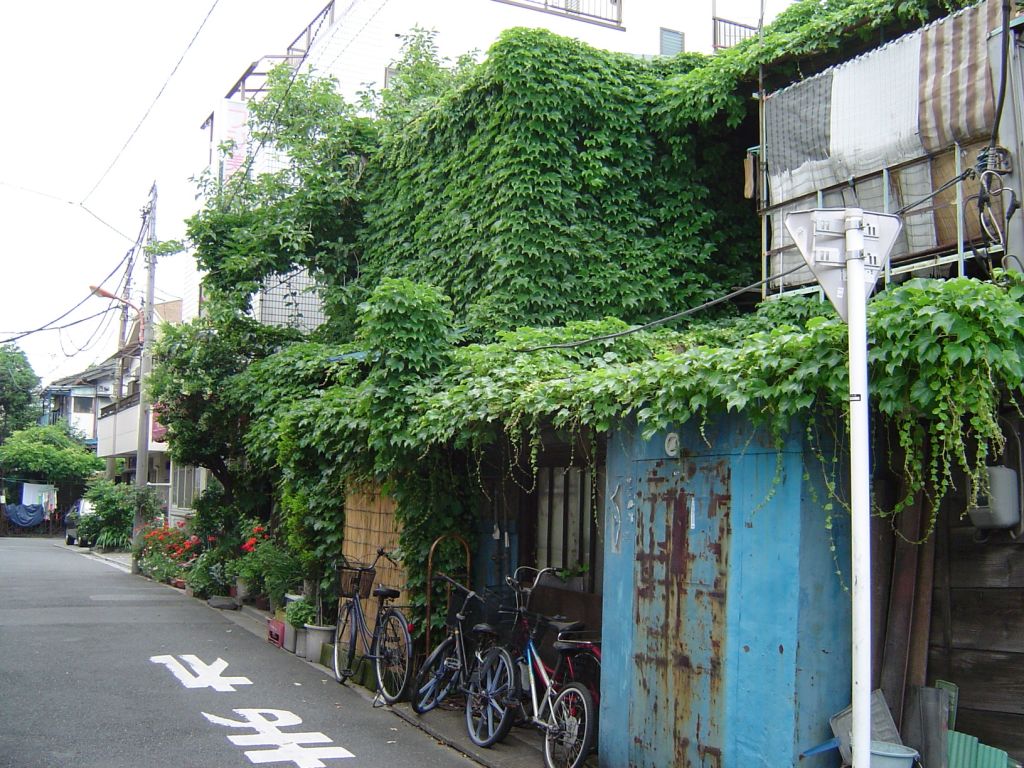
(860, 487)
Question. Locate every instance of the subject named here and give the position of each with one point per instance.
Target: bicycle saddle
(386, 592)
(484, 629)
(566, 626)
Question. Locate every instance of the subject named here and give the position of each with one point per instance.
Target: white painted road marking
(206, 675)
(289, 747)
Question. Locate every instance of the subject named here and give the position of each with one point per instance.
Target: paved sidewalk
(522, 748)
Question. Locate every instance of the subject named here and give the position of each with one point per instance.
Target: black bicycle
(389, 645)
(450, 666)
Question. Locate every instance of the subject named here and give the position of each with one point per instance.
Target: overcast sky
(78, 79)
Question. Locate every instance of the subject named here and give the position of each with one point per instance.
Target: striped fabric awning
(957, 102)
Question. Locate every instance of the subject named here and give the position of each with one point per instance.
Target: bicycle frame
(542, 696)
(359, 625)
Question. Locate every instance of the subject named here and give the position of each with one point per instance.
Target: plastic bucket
(886, 755)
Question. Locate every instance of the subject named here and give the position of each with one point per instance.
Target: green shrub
(299, 613)
(114, 505)
(208, 574)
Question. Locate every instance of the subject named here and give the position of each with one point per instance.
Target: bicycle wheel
(572, 728)
(345, 643)
(392, 654)
(492, 698)
(436, 677)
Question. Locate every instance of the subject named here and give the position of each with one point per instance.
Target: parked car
(81, 508)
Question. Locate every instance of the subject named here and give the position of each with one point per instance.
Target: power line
(663, 320)
(150, 109)
(65, 201)
(50, 325)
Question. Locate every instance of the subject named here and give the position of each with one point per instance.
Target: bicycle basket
(499, 606)
(353, 580)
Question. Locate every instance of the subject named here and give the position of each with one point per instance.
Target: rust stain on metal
(681, 568)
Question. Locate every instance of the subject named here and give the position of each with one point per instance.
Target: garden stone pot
(289, 638)
(241, 590)
(316, 636)
(300, 641)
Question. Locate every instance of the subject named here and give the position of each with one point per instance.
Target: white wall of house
(366, 35)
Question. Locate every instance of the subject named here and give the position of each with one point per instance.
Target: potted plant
(297, 615)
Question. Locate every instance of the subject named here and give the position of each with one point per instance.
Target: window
(83, 404)
(566, 534)
(671, 42)
(184, 486)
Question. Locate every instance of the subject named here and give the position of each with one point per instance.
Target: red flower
(211, 538)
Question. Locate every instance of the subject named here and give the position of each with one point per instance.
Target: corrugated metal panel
(966, 751)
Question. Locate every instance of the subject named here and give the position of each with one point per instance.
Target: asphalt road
(79, 685)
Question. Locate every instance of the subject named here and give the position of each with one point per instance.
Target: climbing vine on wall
(488, 213)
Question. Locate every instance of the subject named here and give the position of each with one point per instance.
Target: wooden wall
(977, 631)
(369, 524)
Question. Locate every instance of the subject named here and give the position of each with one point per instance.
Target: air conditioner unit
(1000, 508)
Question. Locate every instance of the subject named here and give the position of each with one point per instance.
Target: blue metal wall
(726, 631)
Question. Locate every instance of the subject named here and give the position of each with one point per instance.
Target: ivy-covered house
(523, 264)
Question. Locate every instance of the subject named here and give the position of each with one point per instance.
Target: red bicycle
(514, 683)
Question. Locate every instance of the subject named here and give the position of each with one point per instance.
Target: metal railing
(120, 405)
(728, 33)
(596, 11)
(253, 80)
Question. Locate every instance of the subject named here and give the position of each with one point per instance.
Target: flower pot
(289, 638)
(316, 636)
(300, 641)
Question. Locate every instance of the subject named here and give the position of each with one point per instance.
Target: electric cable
(153, 104)
(966, 174)
(50, 325)
(663, 320)
(59, 199)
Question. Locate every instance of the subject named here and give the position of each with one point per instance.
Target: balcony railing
(728, 33)
(607, 12)
(120, 405)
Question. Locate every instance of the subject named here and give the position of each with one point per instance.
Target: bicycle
(563, 698)
(389, 644)
(449, 666)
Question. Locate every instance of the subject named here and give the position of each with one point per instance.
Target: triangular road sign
(820, 234)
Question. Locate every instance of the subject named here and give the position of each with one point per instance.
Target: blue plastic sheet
(25, 515)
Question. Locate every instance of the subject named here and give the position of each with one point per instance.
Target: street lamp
(142, 446)
(142, 317)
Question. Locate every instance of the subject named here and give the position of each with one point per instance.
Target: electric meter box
(1001, 508)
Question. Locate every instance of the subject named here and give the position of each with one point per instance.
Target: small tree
(19, 406)
(50, 454)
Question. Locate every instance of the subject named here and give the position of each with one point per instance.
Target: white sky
(78, 78)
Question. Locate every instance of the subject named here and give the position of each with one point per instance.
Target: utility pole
(146, 365)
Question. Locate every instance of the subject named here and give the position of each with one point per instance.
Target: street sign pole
(846, 249)
(860, 485)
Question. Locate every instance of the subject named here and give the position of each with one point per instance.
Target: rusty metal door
(683, 530)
